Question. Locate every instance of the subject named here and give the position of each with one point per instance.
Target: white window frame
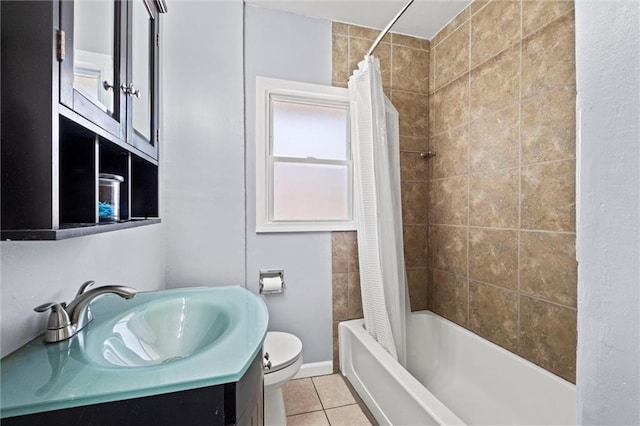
(268, 89)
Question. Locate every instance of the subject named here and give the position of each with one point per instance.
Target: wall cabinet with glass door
(79, 84)
(109, 68)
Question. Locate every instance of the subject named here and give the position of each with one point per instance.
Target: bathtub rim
(416, 390)
(471, 334)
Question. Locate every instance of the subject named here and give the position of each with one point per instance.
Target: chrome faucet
(67, 320)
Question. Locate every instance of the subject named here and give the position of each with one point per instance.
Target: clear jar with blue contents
(109, 197)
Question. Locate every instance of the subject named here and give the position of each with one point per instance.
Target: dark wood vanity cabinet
(80, 97)
(237, 403)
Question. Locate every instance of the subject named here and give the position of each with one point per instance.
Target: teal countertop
(50, 376)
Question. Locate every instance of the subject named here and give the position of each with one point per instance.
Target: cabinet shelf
(73, 230)
(97, 130)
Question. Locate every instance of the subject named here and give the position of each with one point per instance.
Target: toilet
(282, 359)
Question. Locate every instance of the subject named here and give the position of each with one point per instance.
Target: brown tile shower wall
(405, 73)
(502, 187)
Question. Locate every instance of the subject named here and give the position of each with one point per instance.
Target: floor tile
(300, 397)
(316, 418)
(333, 391)
(350, 415)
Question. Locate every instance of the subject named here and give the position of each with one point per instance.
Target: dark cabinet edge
(72, 230)
(161, 5)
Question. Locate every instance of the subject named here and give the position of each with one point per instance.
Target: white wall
(292, 47)
(203, 141)
(201, 240)
(608, 80)
(34, 272)
(203, 166)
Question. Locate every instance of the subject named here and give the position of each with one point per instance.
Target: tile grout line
(531, 296)
(326, 417)
(545, 25)
(359, 402)
(391, 61)
(454, 29)
(511, 104)
(541, 163)
(519, 181)
(316, 393)
(494, 228)
(484, 61)
(468, 174)
(430, 168)
(325, 409)
(315, 388)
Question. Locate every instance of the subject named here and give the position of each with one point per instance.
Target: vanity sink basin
(158, 342)
(156, 333)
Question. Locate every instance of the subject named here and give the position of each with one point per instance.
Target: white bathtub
(453, 377)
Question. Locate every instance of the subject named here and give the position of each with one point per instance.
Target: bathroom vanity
(183, 356)
(235, 403)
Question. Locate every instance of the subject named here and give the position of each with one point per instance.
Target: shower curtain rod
(387, 28)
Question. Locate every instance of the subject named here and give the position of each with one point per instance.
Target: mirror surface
(141, 71)
(93, 50)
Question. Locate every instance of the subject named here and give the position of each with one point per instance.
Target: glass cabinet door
(94, 51)
(142, 76)
(109, 67)
(91, 74)
(141, 68)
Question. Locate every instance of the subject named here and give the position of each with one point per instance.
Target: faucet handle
(59, 325)
(44, 307)
(84, 286)
(59, 318)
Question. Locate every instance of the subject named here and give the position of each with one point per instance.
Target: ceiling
(423, 19)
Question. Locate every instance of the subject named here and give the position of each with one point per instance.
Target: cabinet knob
(106, 85)
(130, 90)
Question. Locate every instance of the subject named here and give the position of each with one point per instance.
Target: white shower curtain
(375, 144)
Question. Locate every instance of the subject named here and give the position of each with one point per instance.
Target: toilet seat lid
(283, 348)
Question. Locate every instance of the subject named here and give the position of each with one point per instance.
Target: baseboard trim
(313, 369)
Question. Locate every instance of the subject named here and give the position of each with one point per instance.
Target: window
(303, 157)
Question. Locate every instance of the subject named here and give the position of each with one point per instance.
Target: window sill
(273, 227)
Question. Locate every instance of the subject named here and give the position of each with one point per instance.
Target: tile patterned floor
(324, 401)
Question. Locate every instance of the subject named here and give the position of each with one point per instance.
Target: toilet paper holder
(269, 275)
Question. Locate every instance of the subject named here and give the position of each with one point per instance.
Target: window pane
(303, 131)
(310, 192)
